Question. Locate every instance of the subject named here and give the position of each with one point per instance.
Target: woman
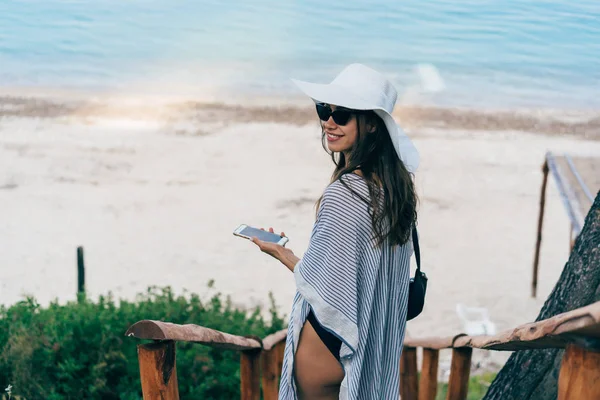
(349, 314)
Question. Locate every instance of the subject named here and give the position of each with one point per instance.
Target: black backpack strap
(415, 239)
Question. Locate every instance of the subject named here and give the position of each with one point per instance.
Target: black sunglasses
(340, 116)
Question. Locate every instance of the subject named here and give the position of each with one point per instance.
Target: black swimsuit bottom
(330, 340)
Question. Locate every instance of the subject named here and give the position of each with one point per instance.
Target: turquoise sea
(497, 53)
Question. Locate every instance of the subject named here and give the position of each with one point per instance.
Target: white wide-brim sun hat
(361, 88)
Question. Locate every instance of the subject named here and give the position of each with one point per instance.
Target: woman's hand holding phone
(283, 254)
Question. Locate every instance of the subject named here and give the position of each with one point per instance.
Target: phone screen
(265, 236)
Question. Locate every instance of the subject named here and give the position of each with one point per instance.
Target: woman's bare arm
(288, 259)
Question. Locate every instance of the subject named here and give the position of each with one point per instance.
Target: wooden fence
(577, 331)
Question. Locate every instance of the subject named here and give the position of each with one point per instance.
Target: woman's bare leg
(317, 372)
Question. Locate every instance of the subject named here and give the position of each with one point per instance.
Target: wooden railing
(158, 371)
(578, 331)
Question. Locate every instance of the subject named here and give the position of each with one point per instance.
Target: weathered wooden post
(80, 272)
(270, 377)
(271, 363)
(250, 374)
(460, 369)
(158, 371)
(538, 243)
(429, 371)
(409, 384)
(280, 350)
(579, 374)
(572, 238)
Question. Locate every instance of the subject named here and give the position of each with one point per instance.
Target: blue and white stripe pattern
(357, 290)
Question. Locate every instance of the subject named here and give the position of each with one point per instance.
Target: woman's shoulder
(349, 188)
(346, 201)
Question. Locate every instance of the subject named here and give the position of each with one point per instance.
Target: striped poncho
(357, 290)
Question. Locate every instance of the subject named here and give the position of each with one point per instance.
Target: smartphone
(247, 232)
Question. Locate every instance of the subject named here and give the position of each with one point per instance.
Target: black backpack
(418, 284)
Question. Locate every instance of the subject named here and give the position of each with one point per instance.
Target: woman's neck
(373, 176)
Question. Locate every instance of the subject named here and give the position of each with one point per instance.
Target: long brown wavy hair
(374, 155)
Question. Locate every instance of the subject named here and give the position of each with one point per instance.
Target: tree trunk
(533, 374)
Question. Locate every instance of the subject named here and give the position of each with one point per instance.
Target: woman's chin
(336, 147)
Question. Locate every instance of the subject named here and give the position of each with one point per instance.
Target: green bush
(79, 351)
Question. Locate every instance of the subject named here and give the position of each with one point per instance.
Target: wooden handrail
(272, 340)
(577, 330)
(435, 343)
(580, 326)
(157, 330)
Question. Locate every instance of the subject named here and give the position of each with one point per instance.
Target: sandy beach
(154, 193)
